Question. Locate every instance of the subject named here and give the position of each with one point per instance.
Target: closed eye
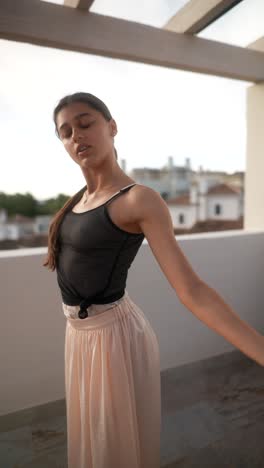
(86, 125)
(67, 134)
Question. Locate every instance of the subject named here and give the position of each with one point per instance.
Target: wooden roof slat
(52, 25)
(197, 15)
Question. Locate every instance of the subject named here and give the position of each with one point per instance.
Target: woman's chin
(89, 161)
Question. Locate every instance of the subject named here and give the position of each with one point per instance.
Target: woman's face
(85, 133)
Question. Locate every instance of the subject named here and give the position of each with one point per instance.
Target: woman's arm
(150, 211)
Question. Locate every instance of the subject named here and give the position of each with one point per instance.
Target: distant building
(169, 181)
(123, 164)
(3, 216)
(237, 179)
(206, 201)
(194, 196)
(41, 224)
(3, 219)
(19, 226)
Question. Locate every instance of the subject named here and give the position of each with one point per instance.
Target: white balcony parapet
(33, 324)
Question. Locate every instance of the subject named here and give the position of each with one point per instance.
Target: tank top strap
(122, 190)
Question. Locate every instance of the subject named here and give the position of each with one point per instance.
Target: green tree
(52, 205)
(27, 205)
(24, 204)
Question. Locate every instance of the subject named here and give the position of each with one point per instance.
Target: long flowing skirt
(113, 392)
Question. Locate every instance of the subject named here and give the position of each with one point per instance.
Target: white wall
(189, 213)
(3, 215)
(13, 231)
(2, 232)
(230, 206)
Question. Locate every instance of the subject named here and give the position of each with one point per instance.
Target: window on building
(164, 195)
(218, 209)
(181, 218)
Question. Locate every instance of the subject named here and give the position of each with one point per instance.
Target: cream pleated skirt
(113, 392)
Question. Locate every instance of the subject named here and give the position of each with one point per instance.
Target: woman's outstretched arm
(151, 213)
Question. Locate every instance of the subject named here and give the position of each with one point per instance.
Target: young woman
(112, 361)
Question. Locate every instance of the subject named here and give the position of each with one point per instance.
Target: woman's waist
(72, 311)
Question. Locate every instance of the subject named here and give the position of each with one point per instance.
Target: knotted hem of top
(95, 312)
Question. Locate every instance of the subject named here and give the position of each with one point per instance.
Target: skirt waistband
(71, 312)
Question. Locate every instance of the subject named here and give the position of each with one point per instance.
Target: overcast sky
(159, 112)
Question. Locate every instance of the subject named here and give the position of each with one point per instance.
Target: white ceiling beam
(51, 25)
(81, 4)
(257, 45)
(198, 14)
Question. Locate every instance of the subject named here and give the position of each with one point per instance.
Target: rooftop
(224, 189)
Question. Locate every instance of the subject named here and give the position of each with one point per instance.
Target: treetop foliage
(27, 205)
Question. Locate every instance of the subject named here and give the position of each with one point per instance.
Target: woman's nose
(76, 134)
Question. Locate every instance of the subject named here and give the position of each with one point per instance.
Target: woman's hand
(150, 211)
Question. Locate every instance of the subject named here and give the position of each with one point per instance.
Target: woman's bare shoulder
(143, 191)
(143, 198)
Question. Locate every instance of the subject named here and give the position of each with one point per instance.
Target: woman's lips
(80, 153)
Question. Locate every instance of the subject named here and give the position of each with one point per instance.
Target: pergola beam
(197, 15)
(257, 45)
(81, 4)
(56, 26)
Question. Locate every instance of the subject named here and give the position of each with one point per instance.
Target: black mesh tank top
(94, 256)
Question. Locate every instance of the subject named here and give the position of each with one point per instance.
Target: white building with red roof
(206, 200)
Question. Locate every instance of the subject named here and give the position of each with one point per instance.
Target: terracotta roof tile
(224, 189)
(181, 200)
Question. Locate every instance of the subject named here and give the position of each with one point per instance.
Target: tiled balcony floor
(212, 416)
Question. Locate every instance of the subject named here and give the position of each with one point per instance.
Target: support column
(254, 174)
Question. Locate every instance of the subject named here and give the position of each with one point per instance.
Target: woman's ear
(113, 128)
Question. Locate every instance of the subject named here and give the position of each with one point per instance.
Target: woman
(112, 361)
